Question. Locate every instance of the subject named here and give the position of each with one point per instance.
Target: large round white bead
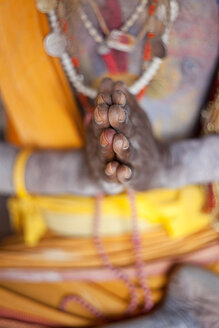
(55, 44)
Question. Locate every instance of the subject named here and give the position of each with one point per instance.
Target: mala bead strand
(151, 66)
(90, 27)
(147, 53)
(55, 45)
(131, 21)
(105, 258)
(126, 26)
(146, 77)
(148, 47)
(54, 23)
(151, 9)
(79, 300)
(148, 302)
(137, 246)
(76, 79)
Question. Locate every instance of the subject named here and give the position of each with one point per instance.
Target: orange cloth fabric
(40, 107)
(77, 253)
(59, 257)
(25, 309)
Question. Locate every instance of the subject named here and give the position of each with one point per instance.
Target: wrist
(8, 155)
(46, 172)
(59, 172)
(161, 169)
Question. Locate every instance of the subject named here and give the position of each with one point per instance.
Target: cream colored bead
(45, 6)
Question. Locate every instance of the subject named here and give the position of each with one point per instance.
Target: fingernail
(111, 168)
(104, 98)
(100, 113)
(120, 143)
(106, 137)
(100, 100)
(121, 115)
(125, 144)
(103, 140)
(97, 116)
(108, 169)
(128, 173)
(119, 98)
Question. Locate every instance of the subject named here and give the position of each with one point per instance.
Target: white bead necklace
(55, 45)
(126, 26)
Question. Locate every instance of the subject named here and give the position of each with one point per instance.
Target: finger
(124, 173)
(106, 85)
(106, 144)
(119, 97)
(119, 85)
(120, 119)
(121, 147)
(105, 91)
(104, 98)
(111, 171)
(117, 116)
(101, 117)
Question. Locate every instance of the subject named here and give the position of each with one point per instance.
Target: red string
(89, 109)
(112, 8)
(110, 62)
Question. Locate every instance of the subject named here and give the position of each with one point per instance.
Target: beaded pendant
(55, 44)
(120, 41)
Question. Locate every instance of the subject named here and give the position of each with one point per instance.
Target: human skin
(174, 97)
(56, 172)
(122, 149)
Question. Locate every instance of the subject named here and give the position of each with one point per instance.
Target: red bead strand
(147, 51)
(106, 260)
(151, 9)
(137, 246)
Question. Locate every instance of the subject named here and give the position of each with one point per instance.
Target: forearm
(8, 155)
(59, 172)
(190, 162)
(48, 172)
